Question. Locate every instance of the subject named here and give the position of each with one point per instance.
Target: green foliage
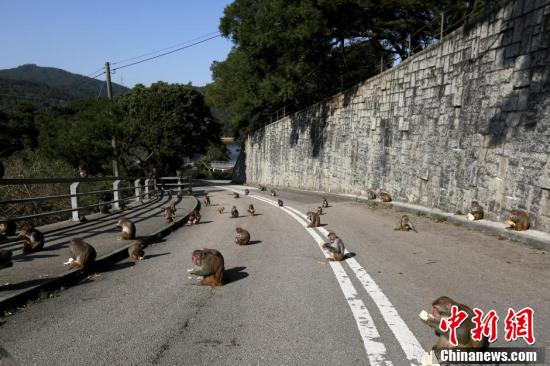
(80, 132)
(169, 121)
(292, 54)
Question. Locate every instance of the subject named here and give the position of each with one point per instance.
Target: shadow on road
(151, 256)
(253, 242)
(234, 274)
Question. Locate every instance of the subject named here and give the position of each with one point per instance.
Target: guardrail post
(137, 190)
(190, 187)
(74, 201)
(146, 183)
(116, 195)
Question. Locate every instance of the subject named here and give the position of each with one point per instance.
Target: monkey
(83, 255)
(170, 212)
(235, 195)
(246, 191)
(325, 202)
(405, 224)
(242, 237)
(212, 266)
(179, 173)
(320, 210)
(33, 240)
(82, 170)
(335, 247)
(441, 308)
(135, 251)
(385, 196)
(5, 258)
(476, 212)
(371, 194)
(179, 194)
(262, 188)
(234, 212)
(83, 219)
(194, 217)
(273, 193)
(8, 228)
(519, 220)
(221, 210)
(128, 229)
(314, 219)
(206, 200)
(280, 202)
(251, 209)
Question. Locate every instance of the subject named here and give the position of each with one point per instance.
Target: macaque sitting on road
(128, 229)
(246, 191)
(251, 209)
(320, 210)
(206, 200)
(262, 188)
(476, 212)
(335, 247)
(221, 210)
(211, 265)
(405, 224)
(234, 212)
(371, 195)
(273, 193)
(242, 237)
(325, 202)
(83, 255)
(519, 220)
(280, 202)
(194, 217)
(135, 251)
(314, 219)
(33, 240)
(441, 308)
(235, 195)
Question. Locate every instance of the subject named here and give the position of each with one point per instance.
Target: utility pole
(110, 96)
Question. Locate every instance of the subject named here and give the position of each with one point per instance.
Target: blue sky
(79, 36)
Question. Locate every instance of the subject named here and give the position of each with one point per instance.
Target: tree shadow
(22, 285)
(31, 256)
(234, 274)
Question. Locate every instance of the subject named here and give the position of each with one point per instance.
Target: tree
(80, 132)
(294, 53)
(167, 123)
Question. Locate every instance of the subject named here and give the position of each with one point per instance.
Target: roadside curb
(533, 238)
(102, 263)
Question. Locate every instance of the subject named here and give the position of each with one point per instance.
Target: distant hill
(48, 86)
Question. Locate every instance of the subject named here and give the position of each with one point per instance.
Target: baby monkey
(242, 237)
(405, 224)
(320, 210)
(128, 229)
(221, 210)
(33, 240)
(335, 247)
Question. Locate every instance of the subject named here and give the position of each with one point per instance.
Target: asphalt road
(285, 304)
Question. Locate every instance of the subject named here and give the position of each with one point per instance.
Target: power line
(165, 49)
(167, 53)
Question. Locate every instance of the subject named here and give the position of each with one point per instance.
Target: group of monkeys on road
(211, 261)
(82, 254)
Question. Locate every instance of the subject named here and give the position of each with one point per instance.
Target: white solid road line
(408, 342)
(410, 345)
